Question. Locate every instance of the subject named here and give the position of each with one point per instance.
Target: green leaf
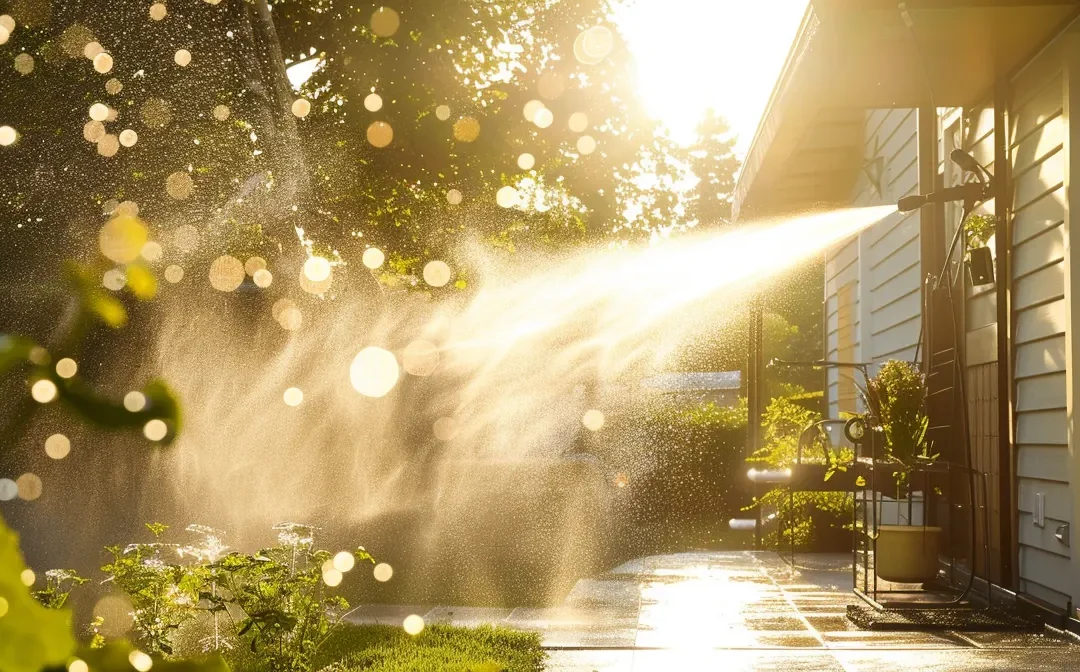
(94, 298)
(14, 350)
(32, 637)
(860, 481)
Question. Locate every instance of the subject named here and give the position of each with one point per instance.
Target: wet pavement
(738, 611)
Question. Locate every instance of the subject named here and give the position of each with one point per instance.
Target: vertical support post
(931, 243)
(755, 365)
(1006, 477)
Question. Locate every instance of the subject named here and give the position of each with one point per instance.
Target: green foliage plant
(895, 402)
(783, 421)
(58, 586)
(979, 228)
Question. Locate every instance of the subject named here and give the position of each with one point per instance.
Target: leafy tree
(712, 160)
(484, 62)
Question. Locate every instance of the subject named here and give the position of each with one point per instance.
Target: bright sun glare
(695, 54)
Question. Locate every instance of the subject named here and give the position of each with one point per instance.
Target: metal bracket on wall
(1062, 534)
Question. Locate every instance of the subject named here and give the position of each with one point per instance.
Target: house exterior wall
(882, 261)
(1037, 138)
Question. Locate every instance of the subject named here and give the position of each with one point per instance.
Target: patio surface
(738, 611)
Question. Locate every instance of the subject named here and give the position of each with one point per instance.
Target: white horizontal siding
(1036, 137)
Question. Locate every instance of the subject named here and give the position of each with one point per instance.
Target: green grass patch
(439, 648)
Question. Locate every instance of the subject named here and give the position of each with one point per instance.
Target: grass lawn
(439, 648)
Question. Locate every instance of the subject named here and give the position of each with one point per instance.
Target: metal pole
(754, 371)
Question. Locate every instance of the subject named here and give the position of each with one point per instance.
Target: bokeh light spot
(134, 401)
(436, 273)
(301, 107)
(385, 22)
(373, 102)
(592, 45)
(380, 134)
(373, 258)
(29, 486)
(344, 561)
(178, 185)
(128, 137)
(8, 136)
(317, 269)
(57, 446)
(593, 420)
(526, 161)
(374, 372)
(140, 661)
(413, 624)
(66, 367)
(103, 63)
(262, 278)
(226, 273)
(383, 572)
(182, 57)
(420, 358)
(445, 429)
(116, 614)
(466, 129)
(155, 430)
(27, 577)
(293, 396)
(121, 239)
(152, 251)
(9, 490)
(158, 11)
(221, 112)
(174, 274)
(454, 197)
(578, 122)
(586, 144)
(507, 197)
(24, 64)
(43, 391)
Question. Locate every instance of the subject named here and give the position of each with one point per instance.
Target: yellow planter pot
(907, 553)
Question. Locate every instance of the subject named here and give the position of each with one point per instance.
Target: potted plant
(896, 409)
(980, 263)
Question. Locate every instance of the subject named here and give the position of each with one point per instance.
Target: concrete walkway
(738, 611)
